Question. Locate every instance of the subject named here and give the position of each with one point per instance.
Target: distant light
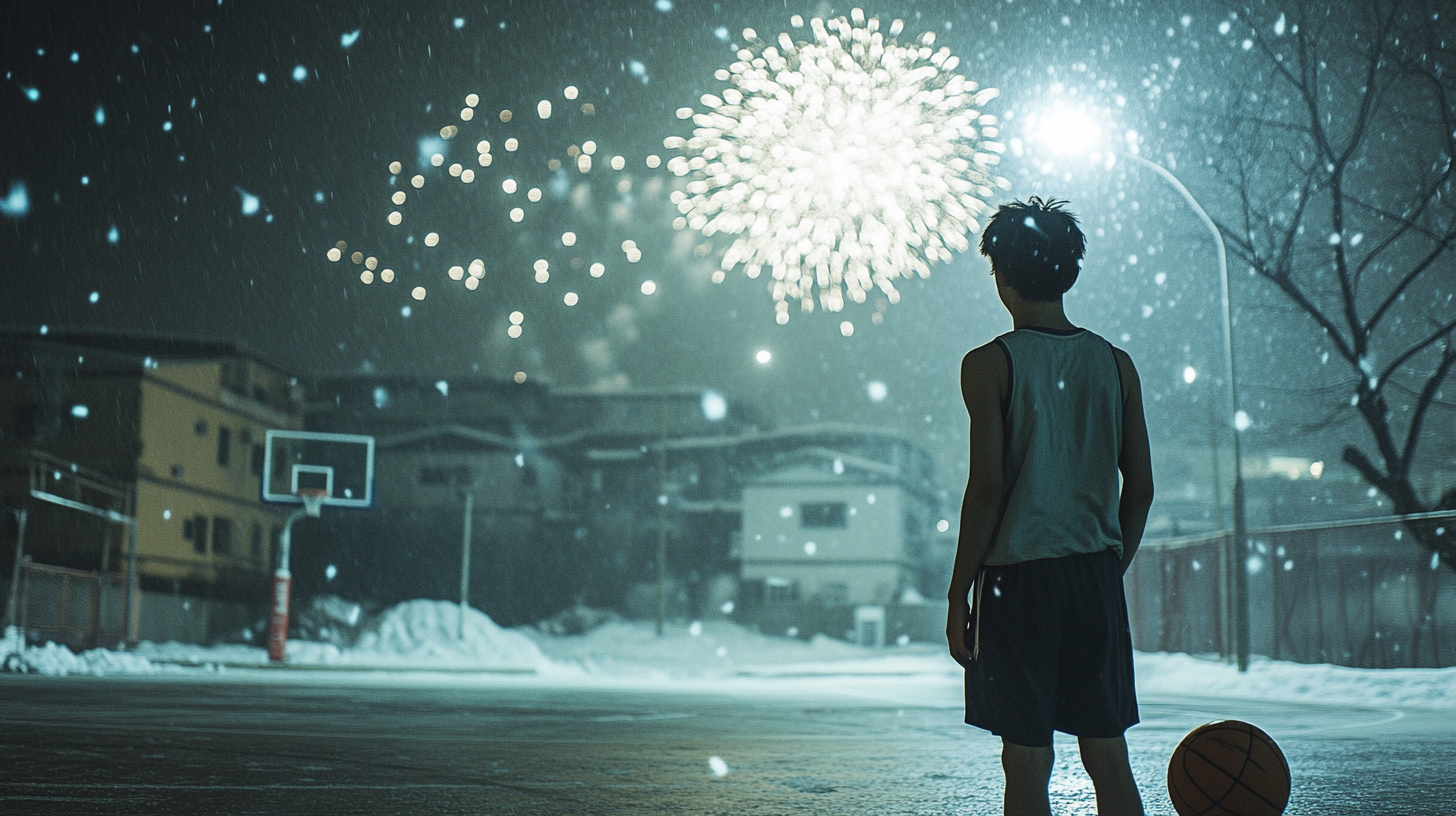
(350, 38)
(786, 511)
(1316, 469)
(664, 5)
(718, 766)
(459, 22)
(318, 196)
(877, 390)
(251, 203)
(75, 56)
(520, 460)
(715, 407)
(94, 297)
(810, 548)
(520, 376)
(80, 411)
(1254, 564)
(764, 356)
(721, 33)
(696, 629)
(648, 287)
(100, 115)
(727, 607)
(44, 329)
(166, 515)
(1189, 374)
(113, 235)
(300, 73)
(85, 181)
(942, 525)
(17, 203)
(1242, 421)
(330, 571)
(405, 311)
(167, 126)
(381, 397)
(846, 328)
(443, 387)
(31, 93)
(262, 78)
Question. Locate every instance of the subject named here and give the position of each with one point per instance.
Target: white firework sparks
(505, 163)
(839, 163)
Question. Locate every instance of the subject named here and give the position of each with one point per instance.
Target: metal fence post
(12, 599)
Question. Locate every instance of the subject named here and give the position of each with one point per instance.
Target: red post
(278, 616)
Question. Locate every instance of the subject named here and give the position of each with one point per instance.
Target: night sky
(187, 166)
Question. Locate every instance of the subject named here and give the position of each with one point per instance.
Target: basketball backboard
(341, 465)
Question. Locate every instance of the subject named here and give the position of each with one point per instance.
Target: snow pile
(427, 634)
(722, 648)
(1185, 675)
(421, 635)
(54, 660)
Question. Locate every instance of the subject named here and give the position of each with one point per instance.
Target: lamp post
(1073, 131)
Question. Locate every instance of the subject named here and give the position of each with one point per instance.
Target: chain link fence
(80, 609)
(1364, 593)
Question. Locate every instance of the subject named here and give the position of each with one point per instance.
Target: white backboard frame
(356, 502)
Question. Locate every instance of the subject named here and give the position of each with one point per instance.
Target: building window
(257, 463)
(222, 536)
(195, 530)
(256, 544)
(835, 593)
(780, 590)
(824, 514)
(200, 427)
(224, 446)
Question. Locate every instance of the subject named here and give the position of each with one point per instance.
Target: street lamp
(1073, 130)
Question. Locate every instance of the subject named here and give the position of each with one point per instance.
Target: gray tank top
(1063, 437)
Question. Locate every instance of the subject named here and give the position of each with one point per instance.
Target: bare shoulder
(984, 370)
(1131, 385)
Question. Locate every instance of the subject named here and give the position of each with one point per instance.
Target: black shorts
(1055, 651)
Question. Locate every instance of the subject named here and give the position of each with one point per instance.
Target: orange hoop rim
(313, 499)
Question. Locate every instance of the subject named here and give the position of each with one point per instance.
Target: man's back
(1063, 435)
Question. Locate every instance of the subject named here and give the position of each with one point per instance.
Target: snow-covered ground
(424, 636)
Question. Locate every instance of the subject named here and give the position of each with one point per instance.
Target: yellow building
(167, 430)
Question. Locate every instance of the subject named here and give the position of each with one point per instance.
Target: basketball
(1228, 768)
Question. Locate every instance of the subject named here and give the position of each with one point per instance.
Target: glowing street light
(1070, 130)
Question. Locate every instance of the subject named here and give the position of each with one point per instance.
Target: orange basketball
(1228, 768)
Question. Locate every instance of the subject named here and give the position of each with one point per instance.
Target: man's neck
(1040, 315)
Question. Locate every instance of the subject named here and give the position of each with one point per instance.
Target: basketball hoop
(313, 500)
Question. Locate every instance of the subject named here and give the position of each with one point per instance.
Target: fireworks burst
(524, 173)
(838, 163)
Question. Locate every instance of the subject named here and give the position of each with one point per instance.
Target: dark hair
(1036, 247)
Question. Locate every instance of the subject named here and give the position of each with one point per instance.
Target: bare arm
(983, 386)
(1135, 461)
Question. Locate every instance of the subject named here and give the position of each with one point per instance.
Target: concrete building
(165, 430)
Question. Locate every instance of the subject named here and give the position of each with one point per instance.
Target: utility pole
(662, 515)
(465, 555)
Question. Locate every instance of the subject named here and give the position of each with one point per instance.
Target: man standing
(1046, 533)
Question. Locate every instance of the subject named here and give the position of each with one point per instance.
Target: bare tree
(1337, 145)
